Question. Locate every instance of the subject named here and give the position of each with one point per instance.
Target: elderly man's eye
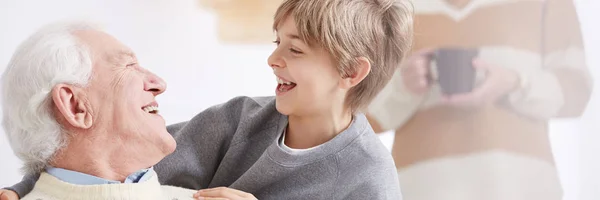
(131, 65)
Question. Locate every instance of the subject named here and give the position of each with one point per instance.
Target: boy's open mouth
(284, 86)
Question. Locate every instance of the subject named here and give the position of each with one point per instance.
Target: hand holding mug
(415, 72)
(498, 82)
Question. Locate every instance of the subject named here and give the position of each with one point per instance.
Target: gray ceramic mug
(454, 67)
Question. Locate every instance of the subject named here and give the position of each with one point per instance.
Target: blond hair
(380, 30)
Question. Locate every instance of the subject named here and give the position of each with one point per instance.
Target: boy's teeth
(280, 81)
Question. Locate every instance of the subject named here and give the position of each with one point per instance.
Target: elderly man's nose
(154, 84)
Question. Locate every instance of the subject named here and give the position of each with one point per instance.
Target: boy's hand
(223, 193)
(8, 195)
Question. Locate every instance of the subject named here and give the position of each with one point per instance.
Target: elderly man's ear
(70, 103)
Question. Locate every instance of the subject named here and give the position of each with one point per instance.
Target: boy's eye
(294, 51)
(276, 42)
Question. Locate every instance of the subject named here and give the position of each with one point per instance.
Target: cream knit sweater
(49, 187)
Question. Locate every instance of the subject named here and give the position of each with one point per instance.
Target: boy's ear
(71, 106)
(361, 71)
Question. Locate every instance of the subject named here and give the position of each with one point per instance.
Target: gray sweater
(235, 145)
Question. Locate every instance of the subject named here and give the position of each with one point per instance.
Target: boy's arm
(378, 181)
(25, 186)
(203, 141)
(381, 189)
(366, 171)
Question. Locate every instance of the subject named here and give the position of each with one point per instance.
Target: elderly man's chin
(166, 141)
(170, 144)
(164, 146)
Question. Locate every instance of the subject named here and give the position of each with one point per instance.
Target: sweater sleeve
(203, 141)
(563, 85)
(377, 186)
(171, 192)
(367, 171)
(26, 185)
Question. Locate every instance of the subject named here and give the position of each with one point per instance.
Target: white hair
(50, 56)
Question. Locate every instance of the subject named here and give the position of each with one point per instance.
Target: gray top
(235, 144)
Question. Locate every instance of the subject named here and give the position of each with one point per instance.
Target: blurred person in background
(491, 142)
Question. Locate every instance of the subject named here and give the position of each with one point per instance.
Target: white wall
(588, 128)
(177, 40)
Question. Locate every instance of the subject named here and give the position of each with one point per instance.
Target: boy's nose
(275, 61)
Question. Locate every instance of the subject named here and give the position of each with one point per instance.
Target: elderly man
(80, 109)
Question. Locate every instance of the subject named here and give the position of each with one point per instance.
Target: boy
(310, 141)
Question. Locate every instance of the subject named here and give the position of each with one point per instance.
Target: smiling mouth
(152, 109)
(284, 86)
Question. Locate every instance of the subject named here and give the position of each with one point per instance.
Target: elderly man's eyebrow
(121, 56)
